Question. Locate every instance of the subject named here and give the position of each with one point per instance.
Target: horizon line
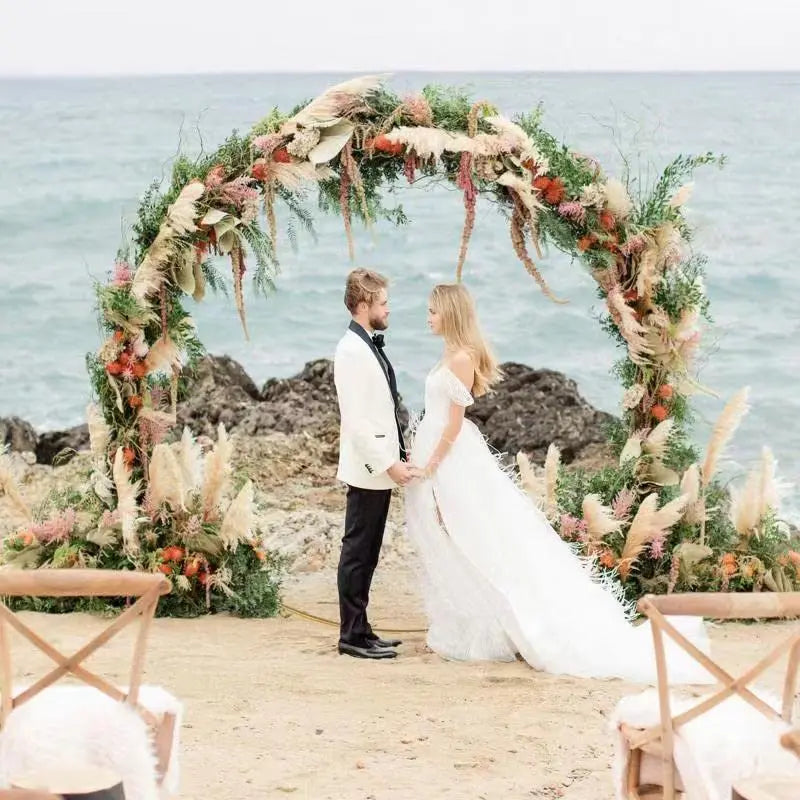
(400, 71)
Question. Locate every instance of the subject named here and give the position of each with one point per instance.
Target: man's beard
(378, 324)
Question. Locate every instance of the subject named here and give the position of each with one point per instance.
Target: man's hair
(363, 286)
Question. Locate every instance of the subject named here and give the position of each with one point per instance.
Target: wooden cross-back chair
(654, 746)
(147, 588)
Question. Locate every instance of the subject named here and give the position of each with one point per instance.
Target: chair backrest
(147, 588)
(717, 605)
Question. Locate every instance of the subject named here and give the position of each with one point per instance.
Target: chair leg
(633, 773)
(163, 744)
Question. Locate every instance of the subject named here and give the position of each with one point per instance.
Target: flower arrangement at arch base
(195, 523)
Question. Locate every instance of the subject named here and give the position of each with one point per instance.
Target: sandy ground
(273, 711)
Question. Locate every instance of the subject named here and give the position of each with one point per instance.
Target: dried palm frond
(630, 328)
(552, 465)
(768, 490)
(335, 102)
(127, 506)
(660, 475)
(181, 214)
(532, 484)
(9, 486)
(649, 522)
(238, 520)
(695, 504)
(647, 274)
(632, 449)
(681, 197)
(426, 142)
(600, 519)
(190, 460)
(163, 355)
(292, 176)
(745, 510)
(217, 469)
(166, 478)
(655, 443)
(729, 420)
(618, 200)
(99, 434)
(149, 275)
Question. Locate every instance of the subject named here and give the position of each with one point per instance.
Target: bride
(499, 581)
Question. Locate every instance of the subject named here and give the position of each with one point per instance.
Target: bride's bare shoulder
(462, 366)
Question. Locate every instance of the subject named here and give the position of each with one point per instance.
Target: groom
(372, 456)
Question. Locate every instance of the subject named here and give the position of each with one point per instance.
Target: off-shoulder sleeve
(456, 390)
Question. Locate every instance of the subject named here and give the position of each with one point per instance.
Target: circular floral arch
(350, 143)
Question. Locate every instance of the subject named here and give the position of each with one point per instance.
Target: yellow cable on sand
(334, 623)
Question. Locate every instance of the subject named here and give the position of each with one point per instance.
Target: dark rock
(61, 446)
(531, 408)
(18, 435)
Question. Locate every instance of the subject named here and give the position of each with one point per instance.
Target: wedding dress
(499, 581)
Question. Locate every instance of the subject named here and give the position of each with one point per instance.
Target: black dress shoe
(378, 642)
(365, 652)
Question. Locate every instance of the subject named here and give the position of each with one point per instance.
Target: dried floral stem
(238, 268)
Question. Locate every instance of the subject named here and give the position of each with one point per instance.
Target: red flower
(119, 336)
(659, 412)
(191, 568)
(172, 553)
(665, 391)
(631, 296)
(385, 145)
(114, 368)
(585, 242)
(140, 369)
(259, 170)
(200, 249)
(554, 193)
(202, 578)
(215, 177)
(281, 155)
(542, 183)
(128, 455)
(135, 401)
(607, 221)
(165, 568)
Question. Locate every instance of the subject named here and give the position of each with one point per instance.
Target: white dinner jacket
(368, 438)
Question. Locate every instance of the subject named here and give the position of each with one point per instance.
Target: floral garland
(349, 143)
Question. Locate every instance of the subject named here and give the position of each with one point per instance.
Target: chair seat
(767, 788)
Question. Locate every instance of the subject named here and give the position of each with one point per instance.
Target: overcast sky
(101, 37)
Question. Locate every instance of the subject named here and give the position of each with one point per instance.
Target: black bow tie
(377, 340)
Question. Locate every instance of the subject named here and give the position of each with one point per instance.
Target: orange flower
(172, 553)
(385, 145)
(119, 335)
(607, 559)
(191, 569)
(140, 369)
(665, 391)
(585, 242)
(128, 455)
(259, 170)
(542, 183)
(134, 401)
(27, 538)
(794, 557)
(659, 412)
(607, 221)
(554, 193)
(114, 368)
(728, 562)
(165, 568)
(281, 155)
(260, 555)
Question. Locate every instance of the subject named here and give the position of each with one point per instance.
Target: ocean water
(76, 155)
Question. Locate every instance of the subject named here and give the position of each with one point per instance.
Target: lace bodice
(442, 387)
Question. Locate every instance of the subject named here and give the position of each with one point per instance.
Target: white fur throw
(72, 724)
(715, 750)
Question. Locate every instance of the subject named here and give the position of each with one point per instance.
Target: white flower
(593, 196)
(633, 396)
(618, 200)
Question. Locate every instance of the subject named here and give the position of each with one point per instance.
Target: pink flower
(122, 274)
(573, 210)
(569, 526)
(418, 108)
(633, 245)
(267, 143)
(128, 373)
(56, 529)
(657, 546)
(238, 192)
(623, 503)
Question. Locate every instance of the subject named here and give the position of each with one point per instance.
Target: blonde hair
(363, 286)
(460, 330)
